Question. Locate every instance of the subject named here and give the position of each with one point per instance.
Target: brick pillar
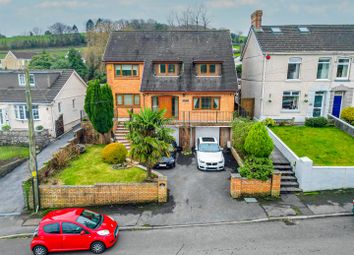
(275, 187)
(162, 189)
(235, 185)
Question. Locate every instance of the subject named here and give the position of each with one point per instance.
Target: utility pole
(32, 142)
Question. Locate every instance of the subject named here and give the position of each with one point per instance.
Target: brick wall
(240, 186)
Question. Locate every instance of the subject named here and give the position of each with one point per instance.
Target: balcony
(194, 118)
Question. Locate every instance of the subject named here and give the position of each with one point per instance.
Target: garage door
(175, 134)
(207, 132)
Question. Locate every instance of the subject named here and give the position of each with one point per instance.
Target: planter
(237, 157)
(240, 186)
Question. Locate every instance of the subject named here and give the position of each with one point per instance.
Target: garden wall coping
(343, 125)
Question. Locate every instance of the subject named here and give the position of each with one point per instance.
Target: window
(21, 112)
(73, 103)
(1, 118)
(175, 107)
(90, 219)
(52, 228)
(171, 68)
(276, 29)
(163, 69)
(128, 100)
(155, 103)
(205, 103)
(304, 29)
(22, 79)
(290, 100)
(126, 70)
(294, 68)
(59, 107)
(343, 68)
(71, 228)
(208, 69)
(323, 68)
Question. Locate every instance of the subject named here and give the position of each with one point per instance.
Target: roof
(68, 214)
(24, 54)
(318, 38)
(48, 83)
(187, 47)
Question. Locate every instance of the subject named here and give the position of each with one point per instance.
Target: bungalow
(15, 60)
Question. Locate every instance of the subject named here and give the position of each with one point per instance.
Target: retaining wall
(20, 138)
(341, 124)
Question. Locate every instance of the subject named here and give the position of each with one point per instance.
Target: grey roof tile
(24, 54)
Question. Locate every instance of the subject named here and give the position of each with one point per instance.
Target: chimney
(256, 19)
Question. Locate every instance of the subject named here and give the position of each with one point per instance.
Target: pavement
(313, 236)
(197, 197)
(11, 197)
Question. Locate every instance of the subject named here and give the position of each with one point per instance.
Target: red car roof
(68, 214)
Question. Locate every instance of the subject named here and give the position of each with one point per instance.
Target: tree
(75, 29)
(41, 61)
(258, 143)
(150, 138)
(89, 25)
(99, 107)
(75, 62)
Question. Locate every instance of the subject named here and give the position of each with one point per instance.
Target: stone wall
(341, 124)
(8, 167)
(20, 138)
(240, 186)
(60, 196)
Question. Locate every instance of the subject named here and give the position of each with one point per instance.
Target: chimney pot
(256, 18)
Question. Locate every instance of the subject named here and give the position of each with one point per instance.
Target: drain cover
(250, 200)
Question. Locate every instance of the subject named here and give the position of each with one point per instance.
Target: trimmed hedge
(257, 168)
(316, 122)
(347, 114)
(240, 129)
(258, 143)
(114, 153)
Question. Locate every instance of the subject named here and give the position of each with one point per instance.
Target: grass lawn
(328, 146)
(89, 169)
(9, 152)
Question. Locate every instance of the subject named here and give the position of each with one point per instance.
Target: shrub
(316, 122)
(114, 153)
(6, 127)
(240, 129)
(269, 122)
(347, 114)
(257, 168)
(258, 143)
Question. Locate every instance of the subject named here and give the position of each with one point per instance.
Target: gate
(59, 126)
(247, 104)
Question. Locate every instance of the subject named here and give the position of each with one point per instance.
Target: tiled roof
(183, 46)
(24, 54)
(47, 85)
(318, 38)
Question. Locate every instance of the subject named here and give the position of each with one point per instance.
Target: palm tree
(149, 137)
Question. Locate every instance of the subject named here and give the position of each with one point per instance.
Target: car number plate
(162, 165)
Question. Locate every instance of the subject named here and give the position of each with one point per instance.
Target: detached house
(191, 74)
(297, 71)
(15, 60)
(57, 97)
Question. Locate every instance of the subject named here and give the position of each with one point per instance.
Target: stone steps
(287, 190)
(120, 135)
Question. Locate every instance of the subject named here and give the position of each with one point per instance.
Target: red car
(74, 229)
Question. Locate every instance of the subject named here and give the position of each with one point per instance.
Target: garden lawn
(89, 169)
(10, 152)
(328, 146)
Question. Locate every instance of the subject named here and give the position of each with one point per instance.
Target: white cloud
(230, 3)
(3, 2)
(62, 4)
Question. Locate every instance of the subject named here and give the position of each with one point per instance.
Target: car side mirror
(220, 148)
(83, 232)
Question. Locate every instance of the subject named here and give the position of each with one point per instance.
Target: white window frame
(291, 94)
(294, 60)
(349, 65)
(22, 80)
(22, 108)
(329, 68)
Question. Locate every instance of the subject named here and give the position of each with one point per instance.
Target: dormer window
(22, 80)
(276, 29)
(304, 29)
(208, 69)
(127, 70)
(167, 69)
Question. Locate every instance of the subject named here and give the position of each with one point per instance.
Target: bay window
(343, 66)
(323, 68)
(294, 68)
(290, 100)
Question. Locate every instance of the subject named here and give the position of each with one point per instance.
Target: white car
(209, 154)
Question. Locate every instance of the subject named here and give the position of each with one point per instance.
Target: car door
(52, 236)
(75, 237)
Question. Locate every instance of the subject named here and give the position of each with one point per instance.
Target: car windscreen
(208, 147)
(90, 219)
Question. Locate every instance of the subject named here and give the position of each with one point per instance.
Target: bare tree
(36, 31)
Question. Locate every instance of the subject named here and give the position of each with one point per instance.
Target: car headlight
(201, 161)
(172, 160)
(104, 232)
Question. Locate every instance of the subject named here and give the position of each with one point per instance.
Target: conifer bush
(258, 143)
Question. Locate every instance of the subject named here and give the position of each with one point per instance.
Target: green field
(10, 152)
(53, 51)
(327, 146)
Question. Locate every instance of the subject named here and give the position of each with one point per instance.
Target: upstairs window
(167, 69)
(343, 68)
(206, 103)
(323, 68)
(127, 70)
(294, 68)
(208, 69)
(22, 80)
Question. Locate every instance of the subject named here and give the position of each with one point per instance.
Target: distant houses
(57, 96)
(15, 60)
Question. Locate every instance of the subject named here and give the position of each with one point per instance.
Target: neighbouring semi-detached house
(57, 98)
(297, 71)
(191, 74)
(15, 60)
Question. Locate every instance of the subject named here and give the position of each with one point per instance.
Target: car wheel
(40, 250)
(97, 247)
(174, 165)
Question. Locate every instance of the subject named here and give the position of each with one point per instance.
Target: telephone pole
(32, 143)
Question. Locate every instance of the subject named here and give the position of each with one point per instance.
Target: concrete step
(288, 178)
(286, 190)
(287, 173)
(283, 167)
(289, 184)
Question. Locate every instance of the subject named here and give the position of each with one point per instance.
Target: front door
(165, 102)
(318, 104)
(337, 103)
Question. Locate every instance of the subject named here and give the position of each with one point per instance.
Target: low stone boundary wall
(7, 168)
(341, 124)
(240, 186)
(20, 138)
(60, 196)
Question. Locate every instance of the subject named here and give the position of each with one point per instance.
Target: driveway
(11, 197)
(195, 197)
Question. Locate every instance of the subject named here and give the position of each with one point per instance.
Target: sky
(20, 16)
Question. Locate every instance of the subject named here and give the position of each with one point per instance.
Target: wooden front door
(165, 102)
(248, 105)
